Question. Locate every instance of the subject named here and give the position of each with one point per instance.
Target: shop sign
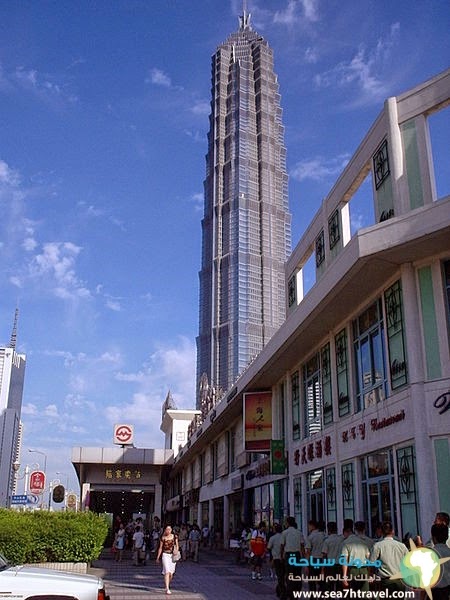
(123, 474)
(359, 431)
(258, 421)
(443, 402)
(376, 424)
(277, 457)
(308, 453)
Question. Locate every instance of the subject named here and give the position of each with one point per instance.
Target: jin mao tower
(246, 227)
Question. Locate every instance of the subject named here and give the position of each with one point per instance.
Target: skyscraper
(12, 373)
(246, 226)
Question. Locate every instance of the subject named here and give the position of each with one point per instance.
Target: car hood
(35, 575)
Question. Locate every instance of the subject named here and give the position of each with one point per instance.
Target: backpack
(258, 545)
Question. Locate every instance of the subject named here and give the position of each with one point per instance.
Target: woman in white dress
(168, 544)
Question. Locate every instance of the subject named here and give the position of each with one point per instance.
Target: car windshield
(3, 562)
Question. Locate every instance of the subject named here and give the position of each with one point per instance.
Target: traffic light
(58, 494)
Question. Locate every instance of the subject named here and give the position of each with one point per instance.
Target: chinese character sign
(37, 482)
(258, 420)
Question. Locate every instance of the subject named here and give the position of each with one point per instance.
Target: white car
(34, 583)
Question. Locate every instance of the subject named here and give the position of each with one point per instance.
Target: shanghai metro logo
(123, 434)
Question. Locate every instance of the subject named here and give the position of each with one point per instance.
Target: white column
(426, 481)
(395, 149)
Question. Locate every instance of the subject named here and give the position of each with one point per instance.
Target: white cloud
(361, 75)
(8, 176)
(170, 367)
(198, 201)
(319, 168)
(201, 107)
(296, 11)
(29, 244)
(56, 266)
(29, 409)
(113, 305)
(51, 410)
(158, 77)
(43, 86)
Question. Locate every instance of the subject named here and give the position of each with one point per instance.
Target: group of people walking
(167, 545)
(327, 560)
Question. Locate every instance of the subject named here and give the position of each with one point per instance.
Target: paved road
(215, 577)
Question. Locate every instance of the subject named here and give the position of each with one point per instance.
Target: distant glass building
(246, 225)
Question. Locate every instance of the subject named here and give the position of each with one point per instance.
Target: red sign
(123, 434)
(37, 482)
(258, 420)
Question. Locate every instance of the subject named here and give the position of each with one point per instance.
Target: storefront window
(298, 502)
(263, 504)
(378, 490)
(406, 469)
(295, 391)
(447, 288)
(348, 491)
(393, 302)
(340, 344)
(315, 495)
(326, 385)
(313, 396)
(330, 477)
(369, 357)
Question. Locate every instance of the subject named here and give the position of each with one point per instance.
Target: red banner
(258, 421)
(37, 482)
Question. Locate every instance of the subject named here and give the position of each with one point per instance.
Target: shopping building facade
(359, 372)
(246, 234)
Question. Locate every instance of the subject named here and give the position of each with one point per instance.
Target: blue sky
(103, 122)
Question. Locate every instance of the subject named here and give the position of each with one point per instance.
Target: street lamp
(45, 467)
(45, 458)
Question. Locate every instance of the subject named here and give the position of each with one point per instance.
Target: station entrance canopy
(121, 482)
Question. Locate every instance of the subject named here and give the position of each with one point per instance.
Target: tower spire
(13, 341)
(244, 20)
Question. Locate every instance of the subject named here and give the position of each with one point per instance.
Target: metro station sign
(123, 434)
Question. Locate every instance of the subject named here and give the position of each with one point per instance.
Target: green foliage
(30, 537)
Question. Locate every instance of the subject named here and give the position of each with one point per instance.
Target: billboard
(258, 421)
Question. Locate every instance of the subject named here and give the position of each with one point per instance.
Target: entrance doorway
(315, 494)
(378, 489)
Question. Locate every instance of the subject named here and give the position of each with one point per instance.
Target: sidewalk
(215, 577)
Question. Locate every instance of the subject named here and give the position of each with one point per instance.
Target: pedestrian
(147, 545)
(355, 552)
(205, 535)
(119, 542)
(183, 540)
(439, 535)
(167, 546)
(331, 550)
(313, 550)
(258, 550)
(390, 552)
(274, 547)
(292, 542)
(138, 546)
(194, 542)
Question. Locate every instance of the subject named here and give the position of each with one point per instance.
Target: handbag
(176, 555)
